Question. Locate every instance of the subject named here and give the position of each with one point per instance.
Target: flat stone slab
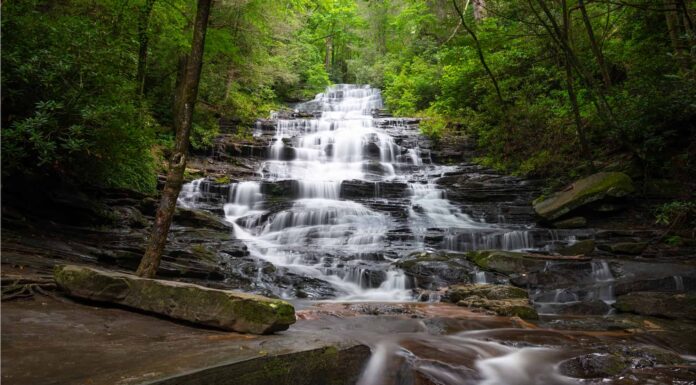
(45, 341)
(224, 309)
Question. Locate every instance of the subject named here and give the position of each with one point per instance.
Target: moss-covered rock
(583, 247)
(632, 248)
(503, 300)
(506, 262)
(668, 305)
(571, 223)
(591, 189)
(241, 312)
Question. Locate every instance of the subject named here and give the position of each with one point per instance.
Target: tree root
(14, 288)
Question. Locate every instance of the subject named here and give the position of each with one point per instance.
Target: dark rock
(632, 248)
(617, 359)
(668, 305)
(583, 247)
(432, 271)
(666, 284)
(595, 307)
(571, 223)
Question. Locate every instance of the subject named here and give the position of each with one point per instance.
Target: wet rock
(668, 305)
(460, 292)
(246, 313)
(595, 307)
(506, 262)
(666, 284)
(199, 218)
(615, 360)
(432, 271)
(632, 248)
(503, 300)
(583, 247)
(571, 223)
(596, 187)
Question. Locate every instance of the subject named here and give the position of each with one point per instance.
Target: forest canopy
(546, 87)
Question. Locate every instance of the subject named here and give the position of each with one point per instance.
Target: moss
(583, 191)
(223, 179)
(200, 251)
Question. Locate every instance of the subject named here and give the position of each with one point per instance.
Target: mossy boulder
(506, 262)
(668, 305)
(229, 310)
(503, 300)
(583, 247)
(594, 188)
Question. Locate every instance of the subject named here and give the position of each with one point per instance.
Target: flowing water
(350, 243)
(342, 196)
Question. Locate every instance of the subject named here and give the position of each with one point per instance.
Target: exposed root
(14, 288)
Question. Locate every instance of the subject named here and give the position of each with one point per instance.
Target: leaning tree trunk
(185, 102)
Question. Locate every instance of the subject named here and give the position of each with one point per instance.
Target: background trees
(571, 84)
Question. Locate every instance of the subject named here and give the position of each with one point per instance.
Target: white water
(345, 243)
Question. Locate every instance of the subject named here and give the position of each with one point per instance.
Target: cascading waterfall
(317, 233)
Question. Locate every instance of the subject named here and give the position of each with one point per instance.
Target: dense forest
(549, 88)
(358, 192)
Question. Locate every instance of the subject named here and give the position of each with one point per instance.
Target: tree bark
(584, 147)
(188, 92)
(479, 50)
(596, 50)
(144, 38)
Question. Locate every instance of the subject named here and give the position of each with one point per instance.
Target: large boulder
(229, 310)
(594, 188)
(668, 305)
(503, 300)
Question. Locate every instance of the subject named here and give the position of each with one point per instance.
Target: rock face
(501, 299)
(669, 305)
(246, 313)
(594, 188)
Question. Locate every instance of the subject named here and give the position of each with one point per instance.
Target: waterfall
(604, 281)
(346, 247)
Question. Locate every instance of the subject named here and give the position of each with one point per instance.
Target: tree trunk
(188, 91)
(480, 52)
(584, 147)
(144, 37)
(596, 50)
(479, 9)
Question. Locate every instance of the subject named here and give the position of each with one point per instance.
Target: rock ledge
(228, 310)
